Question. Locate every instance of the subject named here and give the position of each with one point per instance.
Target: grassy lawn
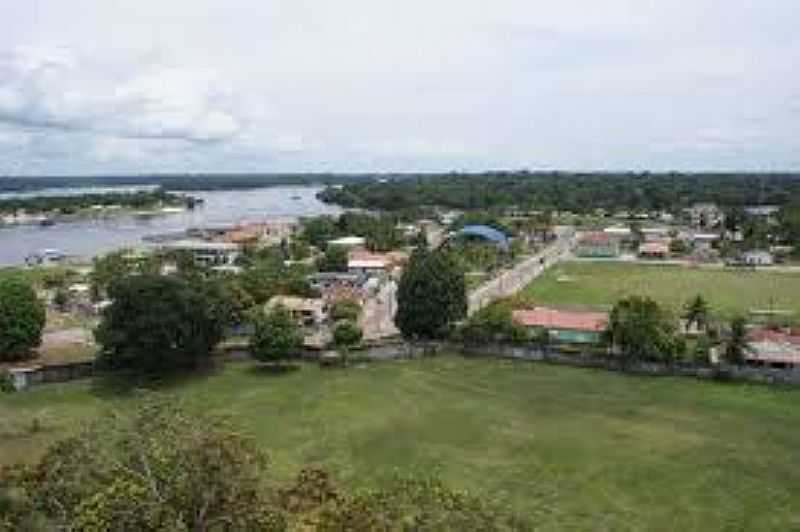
(600, 284)
(576, 449)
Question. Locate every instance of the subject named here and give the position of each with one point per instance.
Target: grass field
(600, 284)
(575, 449)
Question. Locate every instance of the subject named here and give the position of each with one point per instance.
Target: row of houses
(656, 243)
(767, 347)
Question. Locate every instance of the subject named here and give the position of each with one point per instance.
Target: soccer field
(575, 449)
(729, 292)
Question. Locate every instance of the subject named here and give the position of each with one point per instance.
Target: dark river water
(90, 237)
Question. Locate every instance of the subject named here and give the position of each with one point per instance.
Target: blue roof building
(485, 232)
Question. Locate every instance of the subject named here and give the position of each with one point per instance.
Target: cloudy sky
(120, 86)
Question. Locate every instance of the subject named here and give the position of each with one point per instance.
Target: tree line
(576, 192)
(70, 204)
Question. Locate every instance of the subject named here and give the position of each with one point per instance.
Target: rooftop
(562, 319)
(485, 232)
(201, 245)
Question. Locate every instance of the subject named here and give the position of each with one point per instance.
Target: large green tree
(639, 329)
(276, 337)
(431, 295)
(22, 318)
(157, 323)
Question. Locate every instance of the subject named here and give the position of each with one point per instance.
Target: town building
(757, 258)
(307, 311)
(704, 241)
(565, 326)
(206, 254)
(597, 245)
(774, 348)
(705, 215)
(348, 242)
(654, 250)
(656, 234)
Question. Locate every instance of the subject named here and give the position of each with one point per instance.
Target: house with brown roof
(564, 326)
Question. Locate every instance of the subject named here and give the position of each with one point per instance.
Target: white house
(758, 258)
(207, 253)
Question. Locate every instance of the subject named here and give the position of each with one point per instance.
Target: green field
(575, 449)
(600, 284)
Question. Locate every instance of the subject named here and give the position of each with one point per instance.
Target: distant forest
(576, 192)
(175, 182)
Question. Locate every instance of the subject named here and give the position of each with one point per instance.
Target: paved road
(511, 281)
(377, 318)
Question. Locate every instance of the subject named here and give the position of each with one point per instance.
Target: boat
(296, 197)
(47, 222)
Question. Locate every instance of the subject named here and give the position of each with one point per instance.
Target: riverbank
(93, 235)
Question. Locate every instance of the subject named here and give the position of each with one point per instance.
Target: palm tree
(696, 312)
(736, 346)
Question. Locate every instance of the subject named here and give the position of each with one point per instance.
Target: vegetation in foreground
(569, 448)
(161, 468)
(729, 292)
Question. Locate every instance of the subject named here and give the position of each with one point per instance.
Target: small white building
(704, 241)
(207, 254)
(348, 242)
(758, 258)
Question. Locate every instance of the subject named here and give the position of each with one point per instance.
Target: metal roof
(485, 232)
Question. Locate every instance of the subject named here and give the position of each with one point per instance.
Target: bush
(6, 384)
(493, 324)
(347, 335)
(276, 336)
(345, 309)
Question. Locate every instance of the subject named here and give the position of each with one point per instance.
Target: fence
(396, 349)
(752, 374)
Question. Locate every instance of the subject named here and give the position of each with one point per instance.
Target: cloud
(54, 89)
(199, 85)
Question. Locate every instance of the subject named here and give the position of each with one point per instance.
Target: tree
(431, 295)
(347, 335)
(697, 312)
(157, 323)
(639, 329)
(276, 336)
(61, 299)
(159, 468)
(345, 309)
(22, 318)
(736, 346)
(334, 260)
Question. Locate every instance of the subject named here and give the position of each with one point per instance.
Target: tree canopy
(158, 323)
(640, 329)
(22, 318)
(276, 337)
(431, 295)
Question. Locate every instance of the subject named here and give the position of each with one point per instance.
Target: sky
(142, 86)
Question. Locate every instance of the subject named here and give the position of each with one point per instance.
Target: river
(222, 207)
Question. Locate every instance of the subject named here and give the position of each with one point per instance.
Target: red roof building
(565, 326)
(773, 347)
